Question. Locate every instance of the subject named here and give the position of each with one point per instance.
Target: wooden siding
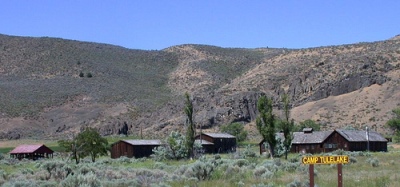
(306, 148)
(122, 148)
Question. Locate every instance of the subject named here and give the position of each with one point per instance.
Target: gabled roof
(310, 138)
(218, 135)
(361, 136)
(203, 142)
(28, 148)
(143, 142)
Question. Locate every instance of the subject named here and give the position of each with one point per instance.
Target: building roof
(28, 148)
(361, 136)
(310, 138)
(218, 135)
(203, 142)
(143, 142)
(307, 129)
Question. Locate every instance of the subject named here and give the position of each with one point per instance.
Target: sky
(155, 25)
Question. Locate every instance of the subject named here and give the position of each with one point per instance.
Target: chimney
(307, 130)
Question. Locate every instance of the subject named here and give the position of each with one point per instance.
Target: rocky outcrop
(115, 127)
(224, 109)
(11, 135)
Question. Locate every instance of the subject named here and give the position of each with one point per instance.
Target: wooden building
(134, 148)
(310, 141)
(356, 140)
(33, 152)
(222, 142)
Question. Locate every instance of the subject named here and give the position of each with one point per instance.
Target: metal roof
(310, 138)
(360, 136)
(203, 142)
(143, 142)
(218, 135)
(26, 148)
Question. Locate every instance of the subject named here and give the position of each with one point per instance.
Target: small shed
(357, 140)
(33, 152)
(134, 148)
(223, 142)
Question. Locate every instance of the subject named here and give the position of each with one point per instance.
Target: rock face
(115, 127)
(298, 87)
(217, 110)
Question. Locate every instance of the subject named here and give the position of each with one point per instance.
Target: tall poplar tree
(265, 123)
(190, 132)
(287, 126)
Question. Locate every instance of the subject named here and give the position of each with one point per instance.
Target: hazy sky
(150, 24)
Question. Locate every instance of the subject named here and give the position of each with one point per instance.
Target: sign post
(338, 159)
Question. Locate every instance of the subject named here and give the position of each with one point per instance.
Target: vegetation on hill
(57, 85)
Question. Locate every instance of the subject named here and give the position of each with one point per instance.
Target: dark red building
(33, 152)
(134, 148)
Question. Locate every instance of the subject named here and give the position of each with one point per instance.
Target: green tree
(394, 124)
(265, 122)
(308, 123)
(235, 129)
(86, 143)
(287, 126)
(92, 143)
(190, 132)
(72, 146)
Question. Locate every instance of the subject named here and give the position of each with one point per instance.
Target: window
(330, 146)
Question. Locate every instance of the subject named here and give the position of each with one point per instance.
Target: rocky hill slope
(51, 88)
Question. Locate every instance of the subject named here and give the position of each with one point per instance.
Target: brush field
(243, 168)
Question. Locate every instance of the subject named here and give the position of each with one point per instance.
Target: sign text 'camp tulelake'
(337, 159)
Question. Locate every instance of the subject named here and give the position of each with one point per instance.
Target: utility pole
(367, 136)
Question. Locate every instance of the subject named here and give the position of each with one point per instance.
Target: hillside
(51, 88)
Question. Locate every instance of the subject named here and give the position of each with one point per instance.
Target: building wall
(306, 148)
(143, 150)
(224, 145)
(208, 148)
(121, 148)
(334, 142)
(44, 150)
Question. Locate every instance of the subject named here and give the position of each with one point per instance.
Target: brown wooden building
(134, 148)
(355, 140)
(33, 152)
(310, 141)
(222, 142)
